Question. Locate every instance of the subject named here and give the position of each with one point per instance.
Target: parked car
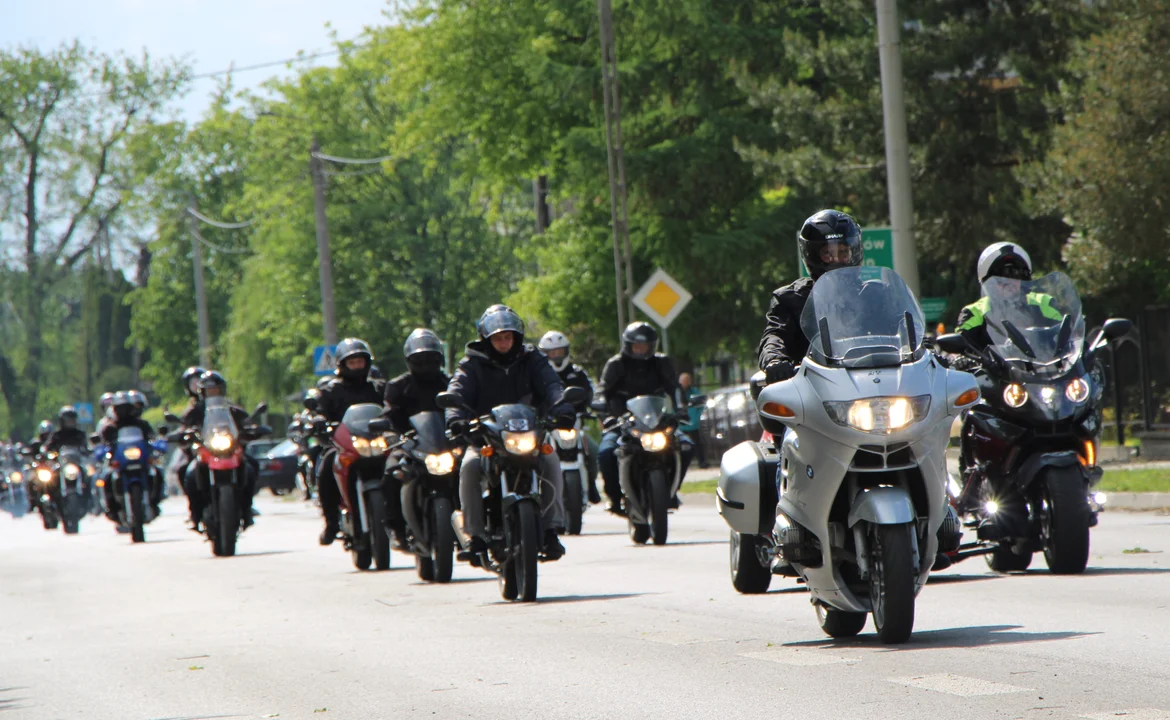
(278, 464)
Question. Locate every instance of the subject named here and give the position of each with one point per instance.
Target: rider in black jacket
(409, 394)
(499, 369)
(67, 433)
(212, 384)
(557, 349)
(636, 370)
(350, 386)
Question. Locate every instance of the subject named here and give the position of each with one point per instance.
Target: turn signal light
(1089, 459)
(547, 449)
(100, 483)
(967, 398)
(487, 451)
(775, 409)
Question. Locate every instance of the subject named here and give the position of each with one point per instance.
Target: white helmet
(998, 255)
(554, 340)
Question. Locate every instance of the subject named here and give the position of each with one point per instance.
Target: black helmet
(123, 406)
(1004, 259)
(67, 417)
(424, 352)
(211, 379)
(44, 430)
(312, 399)
(349, 348)
(640, 333)
(829, 228)
(498, 319)
(190, 380)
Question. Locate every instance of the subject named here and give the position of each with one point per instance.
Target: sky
(211, 34)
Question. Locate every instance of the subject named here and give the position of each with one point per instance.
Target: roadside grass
(1152, 480)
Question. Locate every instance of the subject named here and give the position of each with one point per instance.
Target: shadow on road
(954, 579)
(16, 703)
(261, 553)
(555, 599)
(164, 541)
(1118, 571)
(685, 543)
(967, 637)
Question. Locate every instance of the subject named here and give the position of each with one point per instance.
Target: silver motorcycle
(859, 503)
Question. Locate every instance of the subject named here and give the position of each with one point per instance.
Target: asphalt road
(91, 627)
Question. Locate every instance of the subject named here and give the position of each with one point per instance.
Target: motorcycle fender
(882, 506)
(507, 501)
(1031, 468)
(374, 483)
(218, 463)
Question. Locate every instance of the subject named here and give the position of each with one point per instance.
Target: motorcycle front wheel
(1064, 521)
(574, 502)
(892, 581)
(135, 512)
(227, 523)
(379, 529)
(442, 541)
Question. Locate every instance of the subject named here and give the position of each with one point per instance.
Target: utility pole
(324, 260)
(200, 292)
(619, 216)
(540, 198)
(897, 146)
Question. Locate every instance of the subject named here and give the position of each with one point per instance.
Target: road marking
(676, 638)
(958, 685)
(1135, 714)
(802, 658)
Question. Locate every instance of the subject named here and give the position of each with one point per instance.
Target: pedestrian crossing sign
(324, 359)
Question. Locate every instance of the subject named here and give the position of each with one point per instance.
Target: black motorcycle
(1029, 449)
(511, 439)
(426, 461)
(71, 483)
(650, 465)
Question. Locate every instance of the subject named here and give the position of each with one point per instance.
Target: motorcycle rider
(637, 370)
(125, 414)
(350, 385)
(212, 384)
(828, 240)
(1005, 260)
(557, 349)
(189, 380)
(67, 433)
(411, 393)
(499, 369)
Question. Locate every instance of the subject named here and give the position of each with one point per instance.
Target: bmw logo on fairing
(808, 471)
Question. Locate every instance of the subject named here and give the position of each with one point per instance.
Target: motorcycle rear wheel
(1004, 560)
(748, 576)
(574, 503)
(137, 533)
(840, 623)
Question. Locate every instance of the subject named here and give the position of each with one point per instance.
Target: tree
(65, 116)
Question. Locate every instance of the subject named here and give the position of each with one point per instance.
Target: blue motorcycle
(130, 475)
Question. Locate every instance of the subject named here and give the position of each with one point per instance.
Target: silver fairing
(819, 456)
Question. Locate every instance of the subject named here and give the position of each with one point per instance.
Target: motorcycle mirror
(380, 425)
(260, 410)
(448, 400)
(952, 343)
(597, 405)
(698, 400)
(758, 382)
(171, 418)
(1116, 327)
(574, 395)
(163, 429)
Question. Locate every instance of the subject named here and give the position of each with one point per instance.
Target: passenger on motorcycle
(637, 370)
(411, 393)
(350, 385)
(828, 240)
(556, 348)
(212, 384)
(499, 369)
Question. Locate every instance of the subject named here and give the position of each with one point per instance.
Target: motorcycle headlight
(440, 464)
(1015, 395)
(44, 475)
(654, 442)
(378, 445)
(16, 478)
(362, 446)
(879, 415)
(1077, 390)
(133, 453)
(71, 472)
(567, 436)
(520, 443)
(220, 442)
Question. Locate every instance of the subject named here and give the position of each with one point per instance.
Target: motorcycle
(1029, 450)
(650, 467)
(361, 461)
(511, 439)
(38, 474)
(13, 495)
(428, 464)
(222, 467)
(571, 448)
(301, 431)
(858, 505)
(70, 480)
(128, 494)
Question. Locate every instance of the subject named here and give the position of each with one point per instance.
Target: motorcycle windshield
(647, 411)
(514, 418)
(357, 418)
(217, 418)
(1035, 325)
(862, 317)
(431, 431)
(71, 454)
(130, 435)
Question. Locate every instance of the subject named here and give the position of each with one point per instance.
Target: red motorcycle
(358, 469)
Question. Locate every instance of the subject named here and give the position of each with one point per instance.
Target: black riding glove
(779, 370)
(459, 426)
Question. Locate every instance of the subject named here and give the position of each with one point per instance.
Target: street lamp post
(324, 259)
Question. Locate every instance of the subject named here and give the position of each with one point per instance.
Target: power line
(270, 63)
(352, 161)
(213, 246)
(217, 223)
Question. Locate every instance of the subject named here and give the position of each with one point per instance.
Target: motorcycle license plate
(134, 467)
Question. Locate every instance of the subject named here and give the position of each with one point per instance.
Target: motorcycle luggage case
(747, 487)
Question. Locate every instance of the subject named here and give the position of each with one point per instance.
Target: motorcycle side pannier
(747, 487)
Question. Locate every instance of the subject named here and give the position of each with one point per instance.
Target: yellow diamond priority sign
(662, 298)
